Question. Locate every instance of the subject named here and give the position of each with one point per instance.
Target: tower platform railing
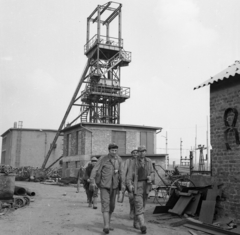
(104, 40)
(100, 90)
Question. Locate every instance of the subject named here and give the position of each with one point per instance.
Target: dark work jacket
(132, 174)
(109, 178)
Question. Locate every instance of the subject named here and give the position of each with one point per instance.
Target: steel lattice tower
(102, 96)
(100, 100)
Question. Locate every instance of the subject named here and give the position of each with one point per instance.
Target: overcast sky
(175, 45)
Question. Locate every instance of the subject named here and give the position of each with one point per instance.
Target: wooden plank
(212, 195)
(207, 211)
(193, 205)
(181, 205)
(178, 223)
(191, 232)
(210, 229)
(172, 200)
(161, 209)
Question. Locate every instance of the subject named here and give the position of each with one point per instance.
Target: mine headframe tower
(102, 96)
(100, 100)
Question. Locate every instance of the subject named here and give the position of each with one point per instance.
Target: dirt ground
(59, 210)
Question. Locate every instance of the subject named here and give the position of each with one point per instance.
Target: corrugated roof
(232, 70)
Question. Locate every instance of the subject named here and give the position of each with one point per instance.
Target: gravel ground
(59, 210)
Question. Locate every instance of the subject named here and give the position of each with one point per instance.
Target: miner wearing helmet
(139, 181)
(127, 163)
(92, 194)
(107, 174)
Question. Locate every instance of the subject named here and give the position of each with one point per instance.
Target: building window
(67, 164)
(119, 137)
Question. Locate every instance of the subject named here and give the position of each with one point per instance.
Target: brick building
(84, 140)
(224, 124)
(28, 147)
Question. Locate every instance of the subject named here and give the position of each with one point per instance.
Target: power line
(184, 127)
(173, 149)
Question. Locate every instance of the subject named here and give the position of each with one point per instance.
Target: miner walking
(107, 174)
(127, 163)
(92, 193)
(139, 181)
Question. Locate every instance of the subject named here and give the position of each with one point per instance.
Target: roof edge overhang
(230, 72)
(88, 124)
(27, 129)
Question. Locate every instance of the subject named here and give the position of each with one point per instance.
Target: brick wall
(132, 140)
(100, 141)
(85, 142)
(226, 163)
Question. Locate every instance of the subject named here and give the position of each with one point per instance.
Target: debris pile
(6, 169)
(197, 208)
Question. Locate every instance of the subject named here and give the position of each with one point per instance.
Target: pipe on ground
(19, 190)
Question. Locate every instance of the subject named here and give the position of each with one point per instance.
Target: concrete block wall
(226, 163)
(132, 140)
(101, 138)
(91, 141)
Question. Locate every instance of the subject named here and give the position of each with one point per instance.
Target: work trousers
(131, 199)
(90, 193)
(108, 199)
(140, 197)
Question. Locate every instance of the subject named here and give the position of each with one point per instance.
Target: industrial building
(82, 141)
(224, 127)
(28, 147)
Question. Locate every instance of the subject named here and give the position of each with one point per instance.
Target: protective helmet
(134, 149)
(93, 159)
(142, 148)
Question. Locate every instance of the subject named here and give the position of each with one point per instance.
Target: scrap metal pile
(35, 174)
(22, 197)
(12, 196)
(196, 206)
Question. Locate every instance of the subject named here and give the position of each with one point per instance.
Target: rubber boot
(106, 222)
(143, 227)
(89, 203)
(95, 203)
(131, 214)
(110, 227)
(136, 223)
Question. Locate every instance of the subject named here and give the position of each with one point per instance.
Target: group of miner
(112, 177)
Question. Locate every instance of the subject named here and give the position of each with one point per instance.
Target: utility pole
(166, 143)
(180, 151)
(207, 156)
(166, 150)
(195, 145)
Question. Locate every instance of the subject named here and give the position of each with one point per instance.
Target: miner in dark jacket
(92, 194)
(110, 169)
(139, 181)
